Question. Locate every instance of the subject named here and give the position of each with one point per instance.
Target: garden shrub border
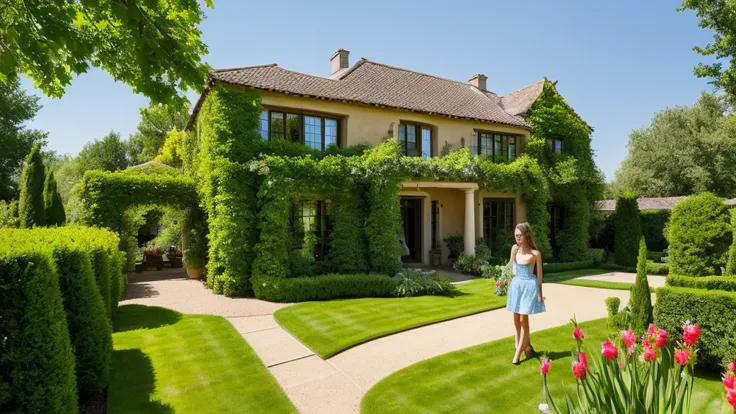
(323, 287)
(725, 283)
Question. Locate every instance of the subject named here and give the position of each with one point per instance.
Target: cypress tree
(640, 301)
(53, 206)
(731, 264)
(30, 206)
(627, 229)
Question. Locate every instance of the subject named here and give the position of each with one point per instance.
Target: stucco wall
(365, 124)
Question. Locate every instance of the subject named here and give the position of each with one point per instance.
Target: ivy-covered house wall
(574, 180)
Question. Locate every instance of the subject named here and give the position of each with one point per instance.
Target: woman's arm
(540, 274)
(514, 248)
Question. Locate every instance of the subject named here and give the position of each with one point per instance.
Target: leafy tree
(108, 154)
(154, 45)
(156, 122)
(720, 17)
(16, 108)
(53, 206)
(178, 150)
(640, 301)
(686, 150)
(627, 229)
(31, 207)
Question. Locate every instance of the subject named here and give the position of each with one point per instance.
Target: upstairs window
(416, 140)
(555, 145)
(317, 132)
(497, 146)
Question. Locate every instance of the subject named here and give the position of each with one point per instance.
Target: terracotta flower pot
(194, 273)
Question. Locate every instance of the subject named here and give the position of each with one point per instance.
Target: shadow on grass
(133, 384)
(131, 317)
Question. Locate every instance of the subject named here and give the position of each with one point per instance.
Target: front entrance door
(411, 217)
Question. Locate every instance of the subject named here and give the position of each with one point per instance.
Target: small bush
(412, 282)
(469, 264)
(699, 235)
(653, 223)
(598, 256)
(656, 257)
(325, 287)
(36, 358)
(618, 319)
(455, 244)
(564, 267)
(712, 310)
(627, 229)
(727, 283)
(640, 301)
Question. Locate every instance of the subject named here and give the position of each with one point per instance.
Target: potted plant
(175, 256)
(194, 246)
(455, 244)
(153, 257)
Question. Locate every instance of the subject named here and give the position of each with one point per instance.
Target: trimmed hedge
(656, 257)
(86, 314)
(325, 287)
(653, 223)
(627, 230)
(36, 358)
(564, 267)
(727, 283)
(711, 310)
(660, 269)
(699, 235)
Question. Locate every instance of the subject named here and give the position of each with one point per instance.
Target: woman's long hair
(528, 233)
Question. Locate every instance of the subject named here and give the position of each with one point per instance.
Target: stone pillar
(469, 222)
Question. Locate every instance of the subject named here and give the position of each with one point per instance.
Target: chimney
(479, 81)
(340, 60)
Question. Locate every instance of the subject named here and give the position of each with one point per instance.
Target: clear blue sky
(617, 62)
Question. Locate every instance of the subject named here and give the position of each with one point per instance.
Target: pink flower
(629, 338)
(649, 354)
(731, 398)
(728, 381)
(732, 367)
(651, 329)
(577, 334)
(661, 339)
(544, 368)
(682, 356)
(579, 370)
(645, 342)
(498, 283)
(690, 334)
(583, 359)
(609, 350)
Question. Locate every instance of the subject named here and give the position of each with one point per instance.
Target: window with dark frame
(435, 224)
(498, 215)
(555, 145)
(416, 140)
(318, 132)
(312, 215)
(497, 146)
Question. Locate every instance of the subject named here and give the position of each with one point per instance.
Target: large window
(317, 132)
(499, 216)
(416, 140)
(497, 146)
(311, 216)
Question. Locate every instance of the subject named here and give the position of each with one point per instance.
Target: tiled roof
(660, 203)
(519, 102)
(374, 83)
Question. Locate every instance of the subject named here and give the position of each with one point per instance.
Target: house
(428, 115)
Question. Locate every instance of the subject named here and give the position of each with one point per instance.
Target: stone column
(469, 222)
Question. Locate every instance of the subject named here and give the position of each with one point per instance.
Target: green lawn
(572, 274)
(333, 326)
(166, 362)
(481, 379)
(600, 284)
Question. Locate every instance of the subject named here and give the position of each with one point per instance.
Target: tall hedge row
(627, 229)
(36, 358)
(87, 315)
(348, 247)
(653, 223)
(699, 234)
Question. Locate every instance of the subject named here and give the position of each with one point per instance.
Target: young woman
(525, 290)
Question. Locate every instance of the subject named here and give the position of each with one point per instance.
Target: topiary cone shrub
(699, 236)
(53, 205)
(640, 301)
(627, 229)
(731, 265)
(31, 210)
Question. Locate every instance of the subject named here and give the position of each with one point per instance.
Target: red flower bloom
(652, 329)
(544, 368)
(661, 339)
(629, 338)
(690, 334)
(577, 334)
(583, 359)
(649, 354)
(645, 342)
(732, 367)
(682, 356)
(728, 381)
(579, 370)
(609, 350)
(731, 397)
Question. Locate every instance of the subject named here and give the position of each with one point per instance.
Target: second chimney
(479, 81)
(340, 60)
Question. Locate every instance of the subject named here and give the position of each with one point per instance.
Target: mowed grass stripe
(330, 327)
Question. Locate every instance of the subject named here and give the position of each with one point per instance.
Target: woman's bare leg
(525, 340)
(517, 326)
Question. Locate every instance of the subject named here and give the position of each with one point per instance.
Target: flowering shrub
(633, 377)
(729, 381)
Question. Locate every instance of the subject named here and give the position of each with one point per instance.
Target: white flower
(544, 408)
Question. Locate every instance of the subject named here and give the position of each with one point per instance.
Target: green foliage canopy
(156, 123)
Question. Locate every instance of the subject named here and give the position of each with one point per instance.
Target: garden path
(337, 385)
(654, 281)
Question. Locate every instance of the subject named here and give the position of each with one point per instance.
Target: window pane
(558, 145)
(402, 133)
(497, 146)
(486, 145)
(309, 211)
(293, 128)
(277, 125)
(426, 142)
(412, 149)
(313, 132)
(330, 132)
(264, 125)
(512, 148)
